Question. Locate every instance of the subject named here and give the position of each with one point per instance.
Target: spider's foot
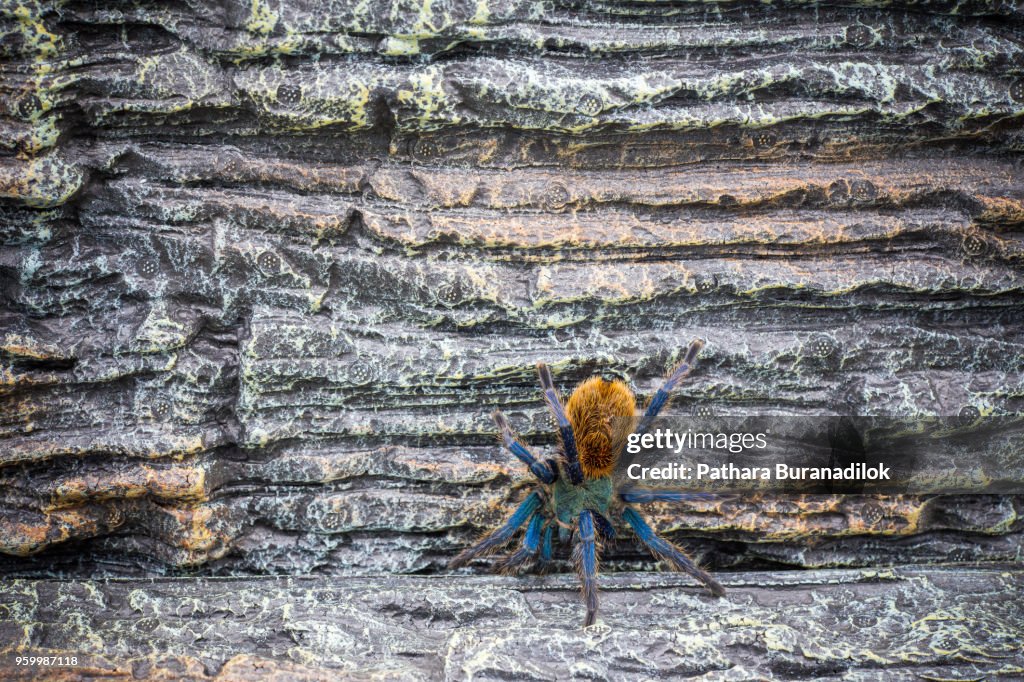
(461, 560)
(715, 587)
(514, 563)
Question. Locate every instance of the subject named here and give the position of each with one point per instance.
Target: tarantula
(577, 495)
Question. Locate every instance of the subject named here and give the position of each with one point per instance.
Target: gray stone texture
(267, 267)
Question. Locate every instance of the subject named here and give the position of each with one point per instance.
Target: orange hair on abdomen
(602, 414)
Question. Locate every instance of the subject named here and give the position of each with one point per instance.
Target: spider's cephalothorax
(577, 495)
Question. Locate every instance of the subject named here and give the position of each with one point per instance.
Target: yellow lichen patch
(185, 483)
(399, 46)
(41, 135)
(418, 466)
(481, 13)
(22, 538)
(8, 377)
(262, 18)
(777, 518)
(37, 38)
(150, 443)
(1002, 210)
(195, 531)
(174, 82)
(40, 182)
(251, 666)
(424, 93)
(28, 347)
(160, 333)
(325, 96)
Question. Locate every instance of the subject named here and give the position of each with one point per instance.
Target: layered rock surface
(898, 624)
(268, 268)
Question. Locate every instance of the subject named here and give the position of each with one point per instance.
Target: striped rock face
(267, 268)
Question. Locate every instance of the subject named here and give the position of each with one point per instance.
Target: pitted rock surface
(267, 268)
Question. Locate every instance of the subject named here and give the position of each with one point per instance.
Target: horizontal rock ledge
(913, 623)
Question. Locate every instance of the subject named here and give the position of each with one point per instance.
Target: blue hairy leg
(502, 534)
(572, 460)
(542, 470)
(604, 526)
(585, 555)
(529, 548)
(664, 549)
(665, 392)
(546, 550)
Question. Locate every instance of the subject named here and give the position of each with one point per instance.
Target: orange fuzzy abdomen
(602, 414)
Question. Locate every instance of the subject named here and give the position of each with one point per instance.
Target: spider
(577, 495)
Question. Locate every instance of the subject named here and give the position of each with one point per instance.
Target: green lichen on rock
(907, 622)
(268, 268)
(42, 181)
